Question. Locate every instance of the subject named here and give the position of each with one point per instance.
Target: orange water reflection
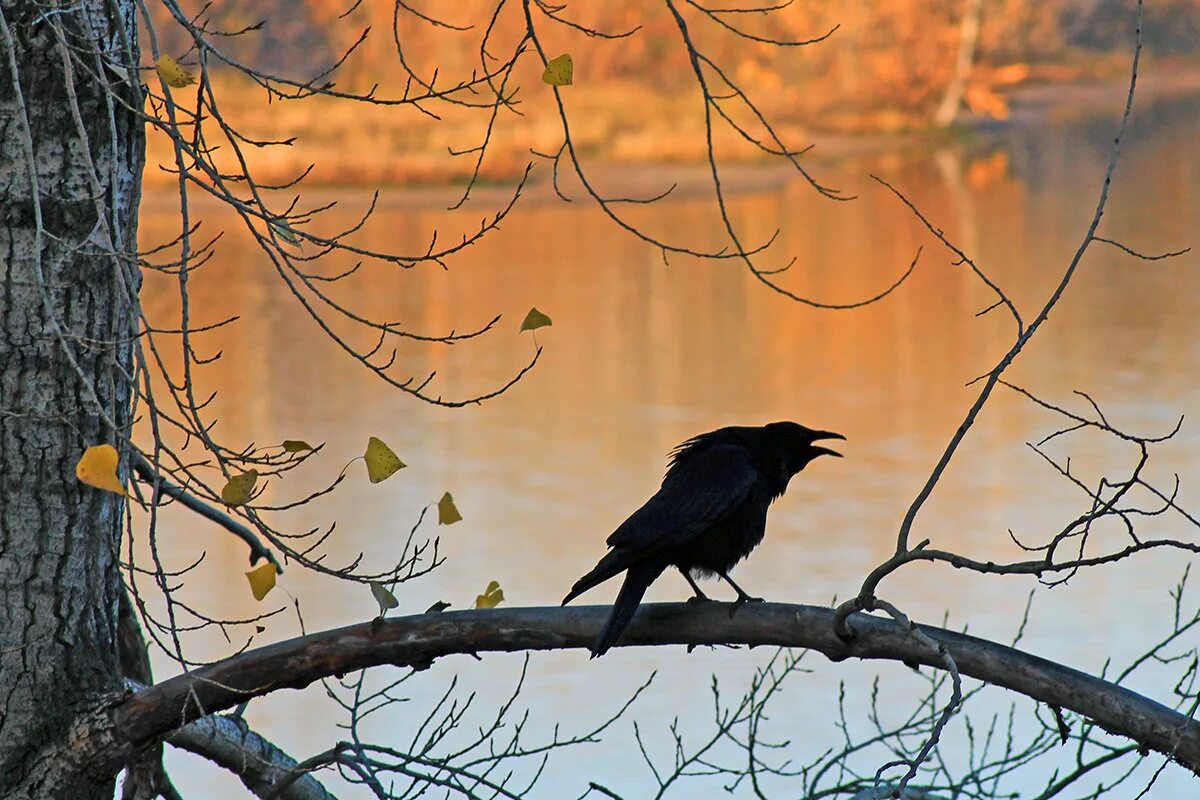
(644, 354)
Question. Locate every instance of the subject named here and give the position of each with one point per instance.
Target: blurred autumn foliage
(884, 69)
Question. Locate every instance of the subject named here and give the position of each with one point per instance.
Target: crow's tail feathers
(611, 565)
(637, 579)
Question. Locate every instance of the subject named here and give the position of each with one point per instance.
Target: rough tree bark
(66, 327)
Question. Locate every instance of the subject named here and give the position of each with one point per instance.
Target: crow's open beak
(825, 451)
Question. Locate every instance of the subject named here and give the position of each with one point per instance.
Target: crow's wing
(699, 491)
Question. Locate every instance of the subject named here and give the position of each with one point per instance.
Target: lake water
(643, 355)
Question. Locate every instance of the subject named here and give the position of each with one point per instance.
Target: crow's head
(794, 444)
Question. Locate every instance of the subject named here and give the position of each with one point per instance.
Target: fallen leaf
(239, 488)
(262, 580)
(382, 463)
(492, 596)
(296, 446)
(383, 596)
(176, 76)
(97, 467)
(438, 607)
(559, 71)
(447, 511)
(534, 320)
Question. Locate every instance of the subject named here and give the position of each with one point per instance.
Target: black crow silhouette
(709, 513)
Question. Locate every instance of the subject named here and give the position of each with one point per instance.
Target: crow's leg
(742, 596)
(700, 597)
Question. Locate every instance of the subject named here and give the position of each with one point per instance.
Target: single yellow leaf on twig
(492, 596)
(382, 463)
(176, 76)
(239, 488)
(98, 467)
(447, 511)
(534, 320)
(383, 596)
(296, 446)
(262, 580)
(559, 71)
(285, 232)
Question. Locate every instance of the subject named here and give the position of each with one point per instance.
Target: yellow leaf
(382, 463)
(559, 71)
(534, 320)
(262, 580)
(296, 446)
(98, 467)
(492, 596)
(447, 511)
(239, 488)
(285, 232)
(175, 75)
(383, 596)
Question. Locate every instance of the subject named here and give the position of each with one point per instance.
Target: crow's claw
(741, 601)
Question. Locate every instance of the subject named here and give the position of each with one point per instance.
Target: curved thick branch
(265, 770)
(418, 640)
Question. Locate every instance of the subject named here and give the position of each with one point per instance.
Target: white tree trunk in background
(968, 38)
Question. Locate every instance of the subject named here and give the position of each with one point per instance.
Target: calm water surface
(643, 355)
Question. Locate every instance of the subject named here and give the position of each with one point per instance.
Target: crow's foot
(743, 599)
(743, 595)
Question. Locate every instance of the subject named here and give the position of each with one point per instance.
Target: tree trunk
(972, 20)
(70, 165)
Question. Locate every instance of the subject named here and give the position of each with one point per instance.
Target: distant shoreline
(1030, 104)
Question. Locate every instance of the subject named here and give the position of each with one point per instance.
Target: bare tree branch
(258, 550)
(262, 767)
(905, 551)
(418, 640)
